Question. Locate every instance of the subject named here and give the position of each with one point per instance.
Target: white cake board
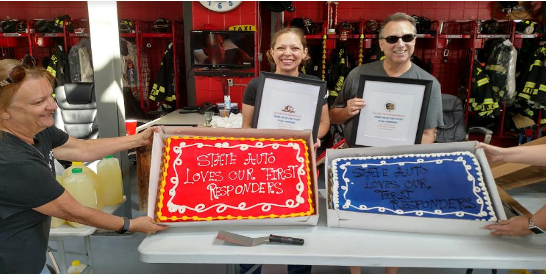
(373, 221)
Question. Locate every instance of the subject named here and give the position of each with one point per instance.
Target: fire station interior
(161, 73)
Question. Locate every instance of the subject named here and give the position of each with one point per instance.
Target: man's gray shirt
(350, 87)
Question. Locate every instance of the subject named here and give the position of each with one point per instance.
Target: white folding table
(65, 231)
(346, 247)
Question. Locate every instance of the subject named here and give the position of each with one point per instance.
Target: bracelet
(126, 225)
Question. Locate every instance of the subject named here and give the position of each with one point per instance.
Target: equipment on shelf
(372, 26)
(126, 26)
(162, 25)
(490, 26)
(422, 24)
(305, 24)
(346, 27)
(525, 26)
(12, 25)
(60, 21)
(279, 6)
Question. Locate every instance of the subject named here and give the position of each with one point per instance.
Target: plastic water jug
(90, 173)
(110, 181)
(76, 268)
(56, 222)
(81, 187)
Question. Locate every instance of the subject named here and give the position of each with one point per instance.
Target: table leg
(254, 267)
(60, 248)
(87, 241)
(230, 269)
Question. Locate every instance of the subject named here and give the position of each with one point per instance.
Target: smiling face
(400, 52)
(31, 109)
(215, 48)
(288, 53)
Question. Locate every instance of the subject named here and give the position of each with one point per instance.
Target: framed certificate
(286, 102)
(395, 111)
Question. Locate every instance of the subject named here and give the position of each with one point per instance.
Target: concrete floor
(118, 254)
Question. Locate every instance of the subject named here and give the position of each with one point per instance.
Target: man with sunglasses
(397, 41)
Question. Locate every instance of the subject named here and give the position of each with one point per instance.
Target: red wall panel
(42, 9)
(149, 10)
(379, 10)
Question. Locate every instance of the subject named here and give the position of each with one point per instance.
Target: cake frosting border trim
(163, 176)
(487, 203)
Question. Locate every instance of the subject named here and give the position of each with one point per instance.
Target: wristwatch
(534, 228)
(125, 228)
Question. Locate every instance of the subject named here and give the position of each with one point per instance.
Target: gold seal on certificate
(394, 113)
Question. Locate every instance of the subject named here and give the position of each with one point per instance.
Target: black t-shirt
(27, 180)
(249, 96)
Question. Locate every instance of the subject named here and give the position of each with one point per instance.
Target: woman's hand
(494, 154)
(145, 224)
(516, 226)
(146, 137)
(316, 145)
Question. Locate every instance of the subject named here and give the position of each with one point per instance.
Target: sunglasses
(394, 39)
(18, 73)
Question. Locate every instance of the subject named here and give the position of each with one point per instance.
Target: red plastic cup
(130, 125)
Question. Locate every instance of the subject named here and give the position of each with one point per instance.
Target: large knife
(249, 241)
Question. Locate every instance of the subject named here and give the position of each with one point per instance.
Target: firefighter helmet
(422, 24)
(490, 26)
(305, 24)
(8, 26)
(60, 21)
(372, 26)
(346, 27)
(162, 25)
(126, 26)
(43, 26)
(525, 26)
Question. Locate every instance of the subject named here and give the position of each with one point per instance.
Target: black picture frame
(426, 90)
(315, 85)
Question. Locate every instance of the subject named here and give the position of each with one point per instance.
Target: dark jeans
(292, 269)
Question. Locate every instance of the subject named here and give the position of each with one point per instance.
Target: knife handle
(285, 240)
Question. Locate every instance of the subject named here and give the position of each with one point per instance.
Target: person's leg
(391, 270)
(299, 269)
(355, 270)
(244, 268)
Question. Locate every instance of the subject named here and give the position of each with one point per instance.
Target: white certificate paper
(391, 114)
(288, 105)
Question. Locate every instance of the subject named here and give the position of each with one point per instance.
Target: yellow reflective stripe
(152, 97)
(525, 96)
(482, 82)
(498, 68)
(52, 71)
(488, 101)
(162, 89)
(543, 121)
(530, 84)
(529, 112)
(496, 105)
(479, 70)
(471, 100)
(333, 93)
(542, 87)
